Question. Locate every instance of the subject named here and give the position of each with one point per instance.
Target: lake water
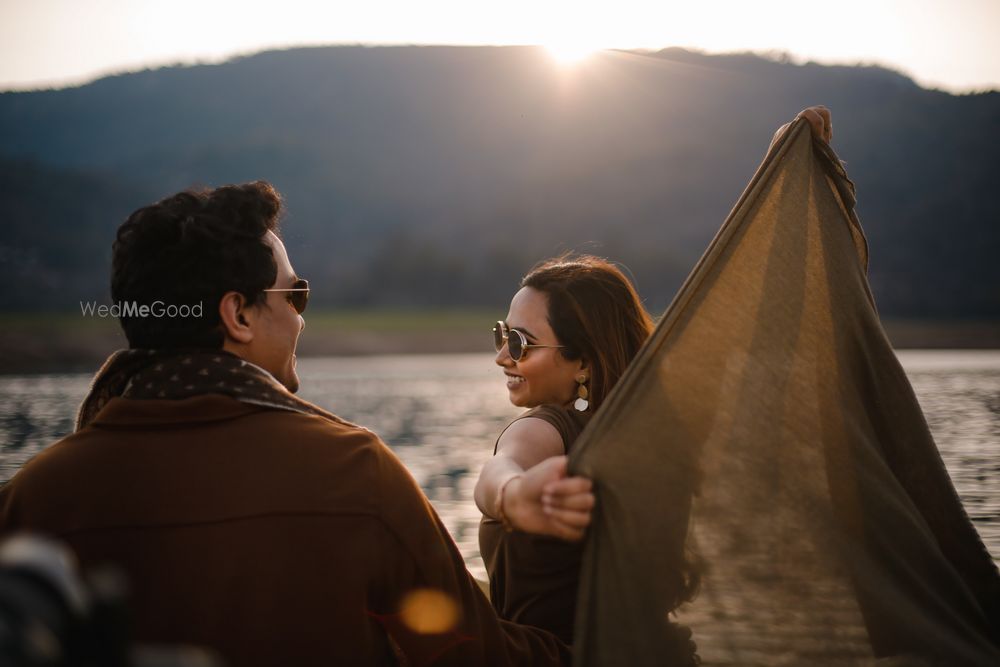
(441, 414)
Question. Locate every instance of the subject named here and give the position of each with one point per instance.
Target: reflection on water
(34, 411)
(441, 414)
(959, 393)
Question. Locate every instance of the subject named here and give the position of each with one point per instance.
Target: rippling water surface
(441, 414)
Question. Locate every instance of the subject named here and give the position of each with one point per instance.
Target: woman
(571, 331)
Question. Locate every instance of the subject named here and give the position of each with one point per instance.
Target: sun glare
(569, 53)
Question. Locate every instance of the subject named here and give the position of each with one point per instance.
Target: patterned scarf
(178, 374)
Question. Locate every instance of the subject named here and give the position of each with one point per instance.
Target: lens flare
(428, 611)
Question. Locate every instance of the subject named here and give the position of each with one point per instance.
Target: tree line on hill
(436, 176)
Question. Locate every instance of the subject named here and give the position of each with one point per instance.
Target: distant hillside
(435, 176)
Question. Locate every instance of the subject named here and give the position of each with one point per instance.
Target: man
(246, 519)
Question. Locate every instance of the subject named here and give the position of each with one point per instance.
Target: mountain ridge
(437, 175)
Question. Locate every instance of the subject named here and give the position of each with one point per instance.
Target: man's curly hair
(192, 248)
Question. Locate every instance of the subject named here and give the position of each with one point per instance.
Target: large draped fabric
(767, 439)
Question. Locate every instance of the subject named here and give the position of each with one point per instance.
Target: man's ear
(236, 317)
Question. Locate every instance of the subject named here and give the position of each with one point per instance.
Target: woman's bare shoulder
(530, 440)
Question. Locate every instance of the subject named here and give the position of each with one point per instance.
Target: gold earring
(581, 403)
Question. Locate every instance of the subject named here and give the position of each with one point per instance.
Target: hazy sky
(950, 44)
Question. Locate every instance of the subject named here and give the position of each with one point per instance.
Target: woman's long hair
(595, 313)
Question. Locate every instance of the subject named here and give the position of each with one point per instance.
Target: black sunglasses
(298, 294)
(516, 341)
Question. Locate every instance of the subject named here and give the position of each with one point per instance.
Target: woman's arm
(528, 476)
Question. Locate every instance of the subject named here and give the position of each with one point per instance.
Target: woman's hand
(819, 121)
(545, 501)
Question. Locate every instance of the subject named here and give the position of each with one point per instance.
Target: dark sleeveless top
(533, 578)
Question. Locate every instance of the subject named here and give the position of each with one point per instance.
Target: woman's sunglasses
(517, 342)
(298, 295)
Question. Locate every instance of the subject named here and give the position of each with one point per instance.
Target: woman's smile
(514, 381)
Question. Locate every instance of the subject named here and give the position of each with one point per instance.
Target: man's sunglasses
(298, 295)
(517, 342)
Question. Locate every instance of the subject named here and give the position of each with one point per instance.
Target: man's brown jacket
(273, 537)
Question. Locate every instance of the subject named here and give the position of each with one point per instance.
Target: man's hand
(545, 501)
(819, 121)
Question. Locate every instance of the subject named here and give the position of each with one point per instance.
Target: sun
(571, 52)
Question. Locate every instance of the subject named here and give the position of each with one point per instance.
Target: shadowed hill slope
(438, 175)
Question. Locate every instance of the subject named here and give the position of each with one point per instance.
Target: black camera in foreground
(52, 616)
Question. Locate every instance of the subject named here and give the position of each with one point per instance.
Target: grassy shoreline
(67, 342)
